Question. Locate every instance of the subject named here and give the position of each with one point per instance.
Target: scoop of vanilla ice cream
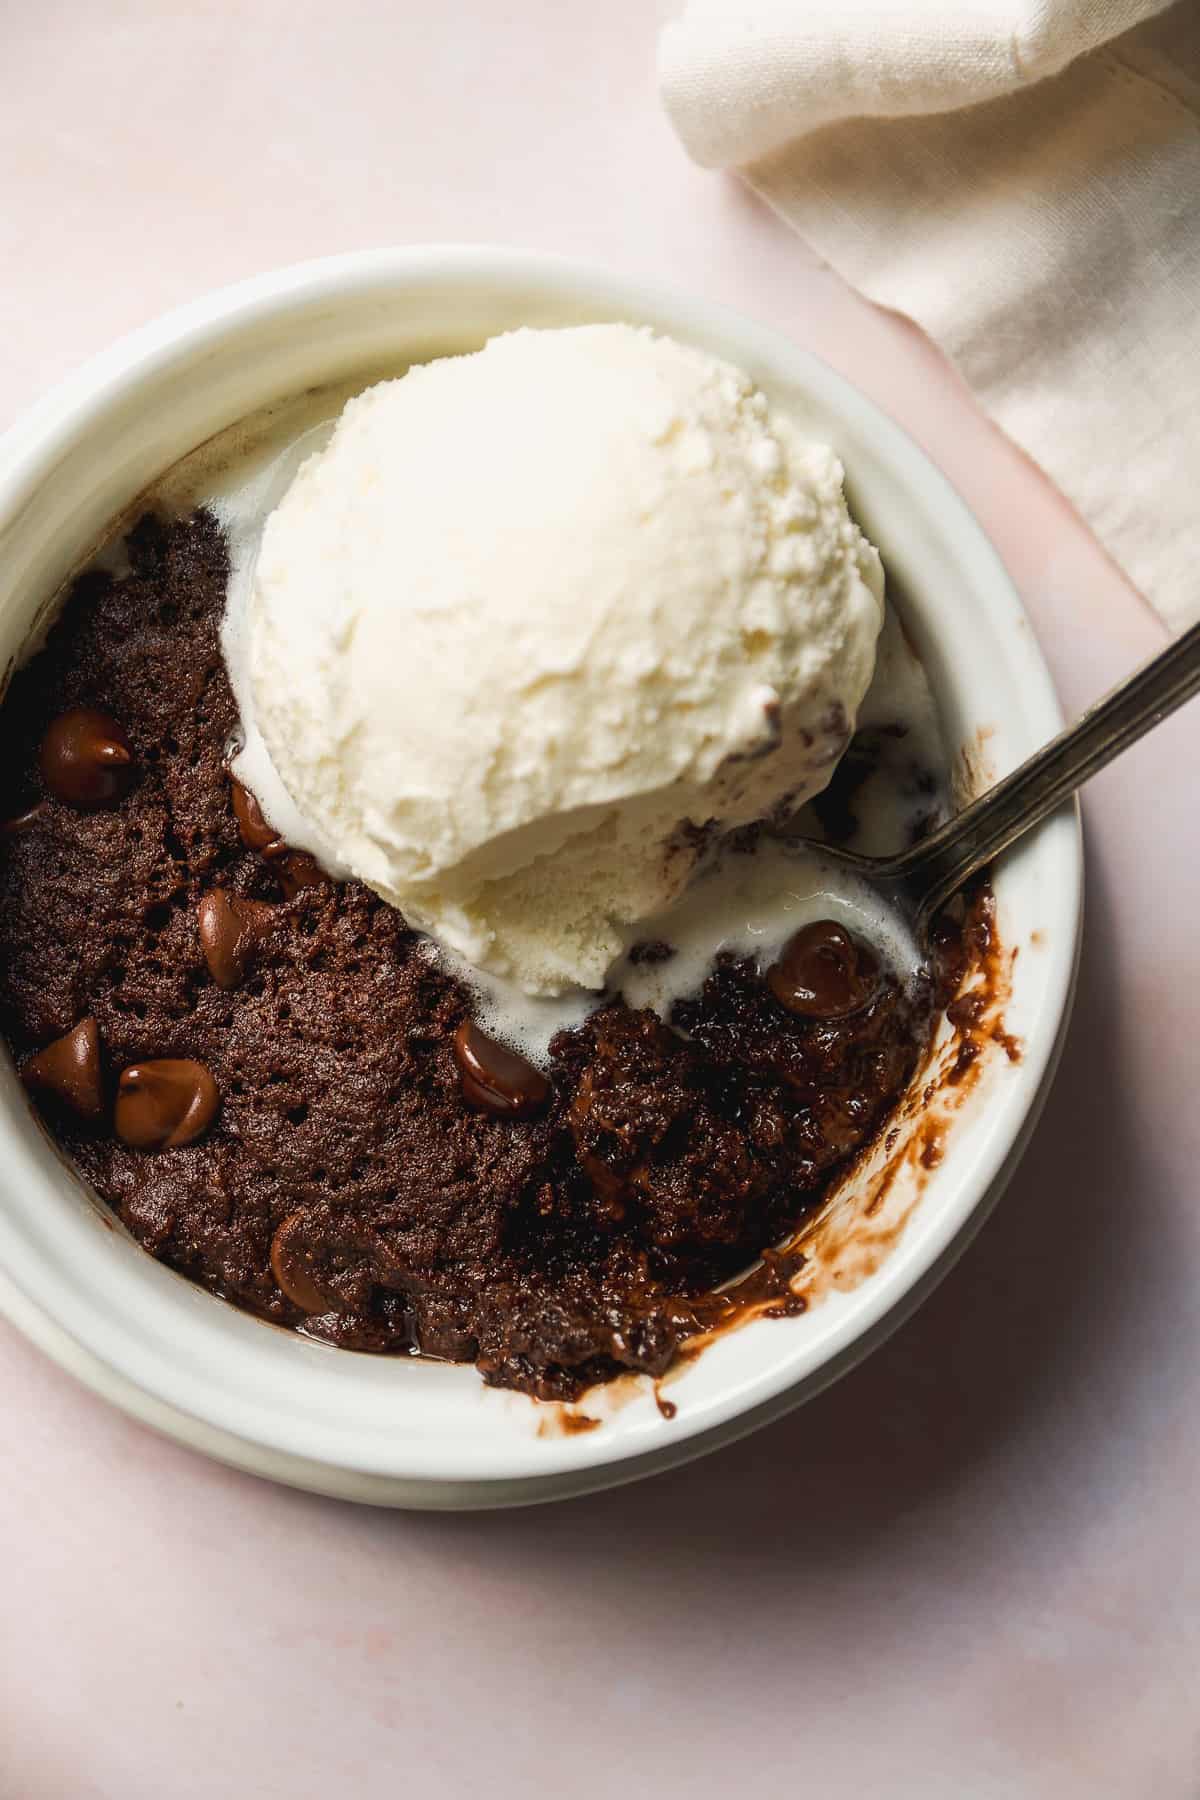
(539, 620)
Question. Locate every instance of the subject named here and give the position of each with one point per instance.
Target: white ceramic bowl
(420, 1434)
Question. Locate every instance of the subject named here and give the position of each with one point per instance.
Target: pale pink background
(970, 1569)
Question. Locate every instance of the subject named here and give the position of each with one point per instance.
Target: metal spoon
(918, 881)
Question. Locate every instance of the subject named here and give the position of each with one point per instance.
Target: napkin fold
(1022, 178)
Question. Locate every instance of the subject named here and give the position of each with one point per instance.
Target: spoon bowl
(917, 883)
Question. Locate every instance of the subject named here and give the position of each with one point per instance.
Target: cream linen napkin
(1021, 177)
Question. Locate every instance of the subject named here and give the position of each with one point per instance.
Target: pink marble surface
(967, 1570)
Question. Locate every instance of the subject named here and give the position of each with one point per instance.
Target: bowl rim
(422, 1474)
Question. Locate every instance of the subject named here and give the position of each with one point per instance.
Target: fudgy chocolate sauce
(280, 1097)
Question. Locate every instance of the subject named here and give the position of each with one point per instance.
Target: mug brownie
(285, 1099)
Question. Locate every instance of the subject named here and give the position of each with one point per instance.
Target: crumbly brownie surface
(551, 1250)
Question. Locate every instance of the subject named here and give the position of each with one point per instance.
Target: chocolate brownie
(268, 1079)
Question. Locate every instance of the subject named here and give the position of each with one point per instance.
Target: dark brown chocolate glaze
(342, 1184)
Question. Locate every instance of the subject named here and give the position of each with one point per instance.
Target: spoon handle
(939, 866)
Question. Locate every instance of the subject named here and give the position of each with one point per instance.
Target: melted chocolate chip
(823, 973)
(86, 759)
(165, 1103)
(494, 1078)
(296, 1264)
(71, 1070)
(294, 869)
(231, 929)
(252, 823)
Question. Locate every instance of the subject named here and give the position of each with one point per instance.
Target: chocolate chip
(296, 1265)
(71, 1070)
(495, 1079)
(165, 1103)
(823, 973)
(20, 821)
(86, 759)
(252, 823)
(231, 929)
(294, 869)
